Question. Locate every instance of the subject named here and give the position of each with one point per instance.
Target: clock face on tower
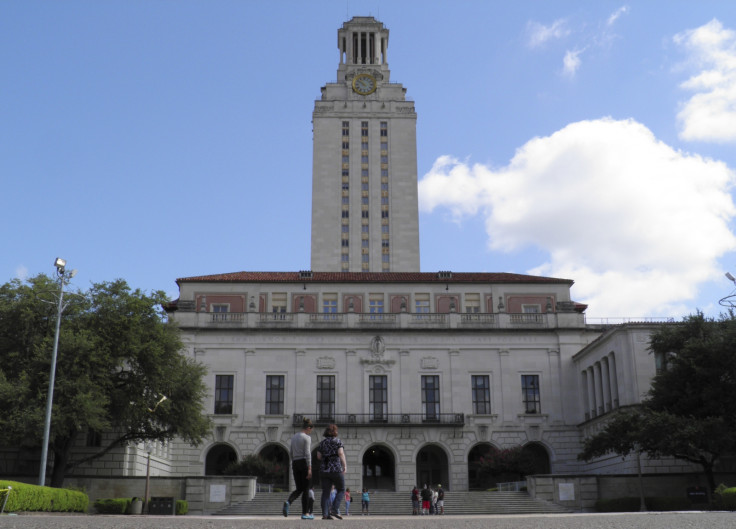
(364, 84)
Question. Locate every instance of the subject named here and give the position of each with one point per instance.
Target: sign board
(218, 493)
(566, 491)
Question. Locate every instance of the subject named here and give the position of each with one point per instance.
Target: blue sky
(150, 140)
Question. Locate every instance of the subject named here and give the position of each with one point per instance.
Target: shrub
(25, 497)
(113, 505)
(725, 498)
(631, 504)
(182, 507)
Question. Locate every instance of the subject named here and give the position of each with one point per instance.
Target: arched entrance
(277, 455)
(539, 457)
(477, 455)
(378, 469)
(432, 467)
(218, 458)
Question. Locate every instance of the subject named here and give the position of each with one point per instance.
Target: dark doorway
(538, 454)
(280, 458)
(432, 467)
(477, 455)
(378, 469)
(218, 458)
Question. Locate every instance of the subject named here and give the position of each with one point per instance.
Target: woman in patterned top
(333, 465)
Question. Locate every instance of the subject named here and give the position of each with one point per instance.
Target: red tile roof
(371, 277)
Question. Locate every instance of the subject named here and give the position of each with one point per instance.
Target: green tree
(689, 412)
(510, 464)
(118, 356)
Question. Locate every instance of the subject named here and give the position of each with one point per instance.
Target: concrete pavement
(680, 520)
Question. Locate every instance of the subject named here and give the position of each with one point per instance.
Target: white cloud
(710, 114)
(540, 34)
(571, 62)
(637, 224)
(616, 15)
(21, 272)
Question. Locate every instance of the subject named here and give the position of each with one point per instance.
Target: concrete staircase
(399, 503)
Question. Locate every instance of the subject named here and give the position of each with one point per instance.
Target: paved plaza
(690, 520)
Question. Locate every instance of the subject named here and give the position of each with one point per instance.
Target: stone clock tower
(364, 174)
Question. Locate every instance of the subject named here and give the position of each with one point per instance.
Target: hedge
(25, 497)
(631, 504)
(725, 498)
(113, 505)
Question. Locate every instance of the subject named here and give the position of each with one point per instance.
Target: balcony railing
(388, 320)
(386, 419)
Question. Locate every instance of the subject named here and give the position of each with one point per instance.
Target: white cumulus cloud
(571, 62)
(710, 114)
(540, 34)
(637, 224)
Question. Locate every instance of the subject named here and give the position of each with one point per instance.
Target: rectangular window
(326, 398)
(345, 228)
(275, 394)
(384, 228)
(278, 305)
(384, 128)
(346, 128)
(364, 128)
(531, 309)
(384, 214)
(421, 303)
(431, 397)
(530, 393)
(224, 394)
(329, 304)
(472, 303)
(364, 214)
(94, 438)
(384, 146)
(375, 302)
(378, 397)
(345, 214)
(481, 388)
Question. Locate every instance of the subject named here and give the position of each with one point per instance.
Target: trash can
(136, 506)
(162, 506)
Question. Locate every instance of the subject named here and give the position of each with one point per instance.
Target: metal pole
(148, 479)
(50, 397)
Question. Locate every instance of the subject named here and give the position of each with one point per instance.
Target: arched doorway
(218, 458)
(539, 457)
(477, 455)
(432, 467)
(378, 469)
(277, 455)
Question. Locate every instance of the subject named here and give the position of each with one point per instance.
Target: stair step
(399, 503)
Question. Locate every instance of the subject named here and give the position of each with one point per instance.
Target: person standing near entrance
(332, 468)
(440, 499)
(301, 466)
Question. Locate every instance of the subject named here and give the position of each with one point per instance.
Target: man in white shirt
(301, 465)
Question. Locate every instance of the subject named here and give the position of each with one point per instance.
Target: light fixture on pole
(64, 279)
(146, 498)
(730, 300)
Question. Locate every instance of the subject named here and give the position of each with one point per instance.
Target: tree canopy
(689, 412)
(117, 358)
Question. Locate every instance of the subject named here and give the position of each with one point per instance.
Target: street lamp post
(64, 278)
(149, 449)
